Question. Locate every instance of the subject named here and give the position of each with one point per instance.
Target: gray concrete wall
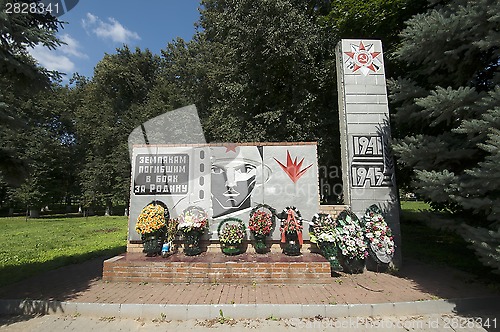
(202, 175)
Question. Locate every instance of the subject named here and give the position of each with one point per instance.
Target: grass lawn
(38, 245)
(414, 206)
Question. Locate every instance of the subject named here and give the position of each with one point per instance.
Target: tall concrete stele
(367, 164)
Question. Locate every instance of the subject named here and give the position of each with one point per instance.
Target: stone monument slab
(367, 162)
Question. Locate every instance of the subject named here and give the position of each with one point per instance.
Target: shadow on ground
(474, 298)
(14, 273)
(446, 282)
(62, 284)
(58, 285)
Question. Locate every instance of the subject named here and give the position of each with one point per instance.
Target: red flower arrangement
(291, 222)
(260, 223)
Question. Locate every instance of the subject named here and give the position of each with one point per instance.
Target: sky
(95, 28)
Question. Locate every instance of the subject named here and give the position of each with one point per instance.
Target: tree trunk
(88, 212)
(34, 213)
(109, 209)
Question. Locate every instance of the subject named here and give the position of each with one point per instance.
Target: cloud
(52, 60)
(112, 29)
(60, 59)
(71, 47)
(91, 19)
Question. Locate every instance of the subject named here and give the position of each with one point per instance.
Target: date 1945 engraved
(370, 166)
(32, 8)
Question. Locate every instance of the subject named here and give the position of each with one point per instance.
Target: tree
(44, 148)
(277, 81)
(113, 104)
(479, 188)
(447, 106)
(20, 76)
(20, 31)
(381, 19)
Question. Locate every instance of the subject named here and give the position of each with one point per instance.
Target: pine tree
(447, 116)
(480, 189)
(486, 244)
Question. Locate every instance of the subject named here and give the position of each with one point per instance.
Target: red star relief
(230, 147)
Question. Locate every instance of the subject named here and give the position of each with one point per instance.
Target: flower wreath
(153, 218)
(262, 222)
(291, 221)
(378, 235)
(231, 231)
(351, 238)
(193, 218)
(323, 228)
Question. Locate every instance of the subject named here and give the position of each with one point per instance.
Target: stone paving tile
(323, 294)
(251, 294)
(215, 295)
(292, 294)
(277, 295)
(163, 293)
(287, 296)
(237, 294)
(223, 294)
(258, 295)
(245, 298)
(193, 294)
(303, 294)
(332, 296)
(202, 296)
(206, 294)
(273, 294)
(285, 291)
(175, 294)
(313, 295)
(395, 285)
(341, 292)
(282, 294)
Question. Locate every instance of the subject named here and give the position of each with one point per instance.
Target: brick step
(270, 268)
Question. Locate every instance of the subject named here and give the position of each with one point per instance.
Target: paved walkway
(361, 302)
(414, 282)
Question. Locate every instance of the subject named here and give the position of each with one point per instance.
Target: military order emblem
(363, 58)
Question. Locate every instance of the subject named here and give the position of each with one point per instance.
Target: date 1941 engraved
(370, 163)
(33, 8)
